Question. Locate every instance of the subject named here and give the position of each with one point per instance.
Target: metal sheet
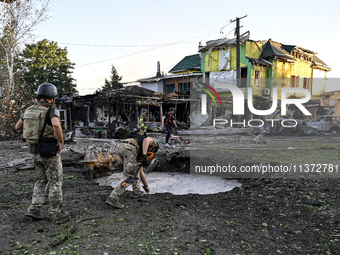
(223, 77)
(224, 61)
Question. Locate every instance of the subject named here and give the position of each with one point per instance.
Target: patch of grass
(317, 208)
(22, 248)
(206, 251)
(327, 147)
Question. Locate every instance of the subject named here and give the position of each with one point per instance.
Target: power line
(230, 31)
(128, 55)
(157, 47)
(149, 76)
(145, 50)
(124, 46)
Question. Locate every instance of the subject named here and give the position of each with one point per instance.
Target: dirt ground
(263, 216)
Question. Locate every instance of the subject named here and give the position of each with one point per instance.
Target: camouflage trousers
(49, 175)
(129, 154)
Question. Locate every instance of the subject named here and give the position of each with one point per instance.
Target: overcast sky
(133, 35)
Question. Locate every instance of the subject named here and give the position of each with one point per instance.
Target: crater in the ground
(178, 183)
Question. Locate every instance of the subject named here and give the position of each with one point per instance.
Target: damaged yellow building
(264, 65)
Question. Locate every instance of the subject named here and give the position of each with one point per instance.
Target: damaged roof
(261, 62)
(188, 63)
(127, 91)
(224, 42)
(272, 50)
(319, 64)
(151, 79)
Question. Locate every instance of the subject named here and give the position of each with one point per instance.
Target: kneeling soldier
(132, 150)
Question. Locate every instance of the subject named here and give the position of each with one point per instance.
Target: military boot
(35, 215)
(114, 202)
(58, 216)
(137, 194)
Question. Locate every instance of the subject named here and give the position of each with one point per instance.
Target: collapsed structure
(101, 114)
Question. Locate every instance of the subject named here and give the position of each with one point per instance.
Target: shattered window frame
(257, 78)
(173, 86)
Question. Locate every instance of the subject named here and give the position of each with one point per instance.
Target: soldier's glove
(142, 128)
(145, 161)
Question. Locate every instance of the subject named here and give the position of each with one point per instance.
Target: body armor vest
(34, 119)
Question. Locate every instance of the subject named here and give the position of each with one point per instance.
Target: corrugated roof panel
(188, 63)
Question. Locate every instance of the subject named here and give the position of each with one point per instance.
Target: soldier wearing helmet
(48, 170)
(132, 150)
(167, 122)
(141, 121)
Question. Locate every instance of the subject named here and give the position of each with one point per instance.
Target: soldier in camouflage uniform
(132, 150)
(48, 170)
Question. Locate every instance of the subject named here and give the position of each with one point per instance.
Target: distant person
(296, 114)
(167, 122)
(48, 170)
(141, 121)
(133, 152)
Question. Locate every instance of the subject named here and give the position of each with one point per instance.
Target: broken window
(318, 119)
(184, 86)
(307, 83)
(244, 75)
(294, 81)
(257, 80)
(153, 113)
(170, 88)
(63, 119)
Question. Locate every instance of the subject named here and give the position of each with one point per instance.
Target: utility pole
(238, 52)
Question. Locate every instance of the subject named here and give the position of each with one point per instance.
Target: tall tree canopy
(114, 82)
(17, 20)
(43, 62)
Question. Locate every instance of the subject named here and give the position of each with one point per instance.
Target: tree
(114, 83)
(43, 62)
(18, 20)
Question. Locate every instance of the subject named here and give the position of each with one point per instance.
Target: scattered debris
(152, 165)
(100, 161)
(258, 139)
(103, 160)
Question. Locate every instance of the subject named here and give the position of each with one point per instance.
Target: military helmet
(144, 110)
(47, 90)
(171, 109)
